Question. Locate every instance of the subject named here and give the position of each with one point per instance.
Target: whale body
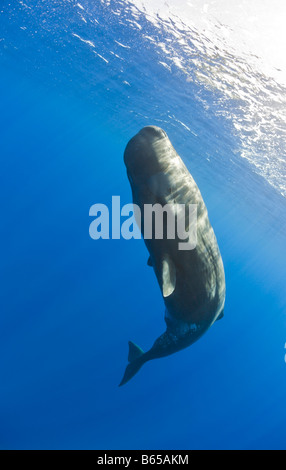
(192, 281)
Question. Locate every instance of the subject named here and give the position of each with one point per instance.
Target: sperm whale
(192, 281)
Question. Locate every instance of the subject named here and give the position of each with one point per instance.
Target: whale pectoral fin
(221, 315)
(168, 276)
(149, 262)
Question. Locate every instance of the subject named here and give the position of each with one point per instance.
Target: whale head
(146, 152)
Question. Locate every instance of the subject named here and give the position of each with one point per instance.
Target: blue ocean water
(78, 80)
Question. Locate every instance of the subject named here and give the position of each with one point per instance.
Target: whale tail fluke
(134, 352)
(136, 359)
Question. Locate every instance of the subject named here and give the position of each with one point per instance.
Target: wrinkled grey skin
(195, 296)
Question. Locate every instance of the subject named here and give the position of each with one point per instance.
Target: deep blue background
(69, 304)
